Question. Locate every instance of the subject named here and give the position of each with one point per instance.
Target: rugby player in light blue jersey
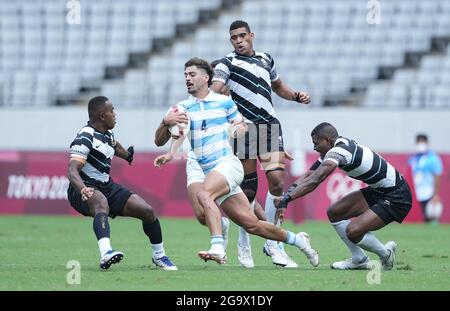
(213, 164)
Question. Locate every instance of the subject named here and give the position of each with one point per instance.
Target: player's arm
(236, 120)
(126, 154)
(221, 75)
(162, 134)
(73, 174)
(165, 158)
(284, 91)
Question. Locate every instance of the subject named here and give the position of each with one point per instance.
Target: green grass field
(34, 251)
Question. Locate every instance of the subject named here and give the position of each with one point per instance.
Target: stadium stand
(134, 51)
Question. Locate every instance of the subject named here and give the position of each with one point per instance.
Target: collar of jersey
(194, 100)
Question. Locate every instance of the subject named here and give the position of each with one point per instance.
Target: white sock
(357, 252)
(158, 250)
(225, 226)
(244, 237)
(293, 239)
(104, 245)
(370, 243)
(270, 211)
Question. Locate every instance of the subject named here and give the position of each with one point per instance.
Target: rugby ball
(180, 129)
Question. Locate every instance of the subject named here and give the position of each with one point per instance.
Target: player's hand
(175, 117)
(162, 159)
(130, 155)
(288, 156)
(302, 98)
(238, 129)
(86, 193)
(281, 206)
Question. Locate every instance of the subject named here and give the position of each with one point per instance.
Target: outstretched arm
(308, 184)
(304, 185)
(284, 91)
(165, 158)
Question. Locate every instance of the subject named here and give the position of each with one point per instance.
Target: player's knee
(202, 196)
(148, 215)
(101, 207)
(354, 232)
(251, 227)
(201, 217)
(275, 179)
(333, 215)
(276, 189)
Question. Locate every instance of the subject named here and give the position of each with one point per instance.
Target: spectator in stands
(426, 168)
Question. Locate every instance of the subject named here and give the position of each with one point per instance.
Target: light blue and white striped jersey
(208, 135)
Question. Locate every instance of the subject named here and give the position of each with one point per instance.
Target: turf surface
(34, 251)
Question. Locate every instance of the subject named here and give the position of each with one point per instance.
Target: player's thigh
(192, 191)
(352, 205)
(272, 160)
(137, 207)
(215, 184)
(97, 203)
(237, 208)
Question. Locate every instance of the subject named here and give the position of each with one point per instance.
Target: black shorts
(116, 195)
(260, 139)
(390, 204)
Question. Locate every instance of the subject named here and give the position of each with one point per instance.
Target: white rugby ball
(180, 129)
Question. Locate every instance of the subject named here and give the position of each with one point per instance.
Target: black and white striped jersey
(249, 80)
(361, 163)
(97, 149)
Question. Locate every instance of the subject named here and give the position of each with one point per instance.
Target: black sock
(153, 231)
(101, 226)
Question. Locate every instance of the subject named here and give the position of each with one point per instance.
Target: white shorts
(230, 167)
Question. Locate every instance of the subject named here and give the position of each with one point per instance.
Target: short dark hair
(422, 136)
(239, 24)
(202, 64)
(325, 130)
(95, 104)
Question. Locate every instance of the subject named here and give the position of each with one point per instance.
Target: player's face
(321, 144)
(242, 41)
(196, 79)
(108, 115)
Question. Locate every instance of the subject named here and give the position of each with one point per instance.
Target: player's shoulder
(342, 141)
(87, 129)
(264, 55)
(218, 97)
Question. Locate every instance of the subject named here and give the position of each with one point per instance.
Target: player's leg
(339, 213)
(192, 190)
(249, 186)
(214, 186)
(385, 207)
(137, 207)
(237, 208)
(359, 232)
(98, 208)
(273, 165)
